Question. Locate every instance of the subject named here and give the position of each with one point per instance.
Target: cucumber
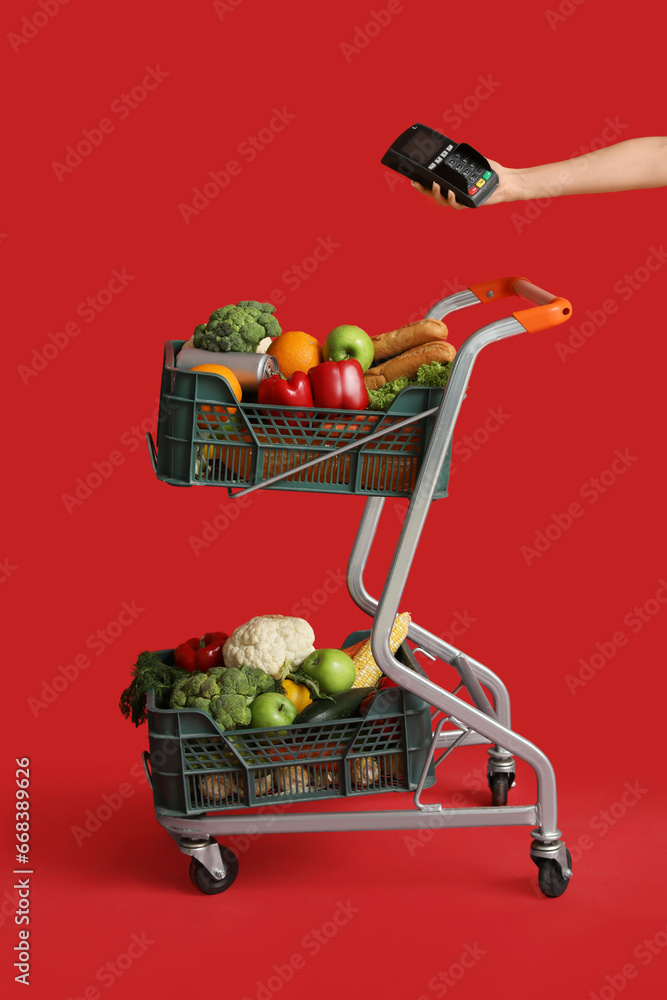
(342, 707)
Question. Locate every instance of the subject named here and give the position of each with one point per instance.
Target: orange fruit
(234, 383)
(296, 351)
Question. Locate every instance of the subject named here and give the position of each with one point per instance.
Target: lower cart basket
(197, 768)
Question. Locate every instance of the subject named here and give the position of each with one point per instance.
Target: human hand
(503, 192)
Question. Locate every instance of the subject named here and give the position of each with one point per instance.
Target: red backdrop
(113, 116)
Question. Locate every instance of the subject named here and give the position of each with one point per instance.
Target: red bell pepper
(339, 385)
(295, 391)
(201, 654)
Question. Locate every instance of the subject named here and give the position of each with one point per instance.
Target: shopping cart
(205, 781)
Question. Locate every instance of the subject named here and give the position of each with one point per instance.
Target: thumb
(451, 200)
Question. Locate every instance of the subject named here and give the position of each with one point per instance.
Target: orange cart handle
(548, 310)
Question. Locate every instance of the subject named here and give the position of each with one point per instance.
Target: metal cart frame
(479, 723)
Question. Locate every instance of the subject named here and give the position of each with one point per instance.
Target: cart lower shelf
(214, 868)
(205, 782)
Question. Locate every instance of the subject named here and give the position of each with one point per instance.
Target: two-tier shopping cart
(208, 783)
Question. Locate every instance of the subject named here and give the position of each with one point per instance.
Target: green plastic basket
(196, 768)
(206, 438)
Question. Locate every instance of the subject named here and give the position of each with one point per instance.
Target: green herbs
(237, 328)
(149, 673)
(382, 398)
(432, 375)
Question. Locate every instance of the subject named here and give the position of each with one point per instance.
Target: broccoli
(263, 682)
(432, 375)
(224, 692)
(237, 328)
(178, 698)
(178, 695)
(230, 711)
(200, 703)
(209, 688)
(236, 681)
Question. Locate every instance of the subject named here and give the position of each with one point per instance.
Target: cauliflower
(274, 643)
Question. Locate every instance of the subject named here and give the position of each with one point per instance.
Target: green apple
(349, 342)
(333, 670)
(272, 709)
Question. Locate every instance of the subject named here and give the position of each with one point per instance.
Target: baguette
(424, 331)
(374, 381)
(409, 362)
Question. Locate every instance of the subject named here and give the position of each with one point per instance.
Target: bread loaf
(408, 363)
(374, 381)
(388, 345)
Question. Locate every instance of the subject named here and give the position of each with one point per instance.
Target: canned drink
(250, 369)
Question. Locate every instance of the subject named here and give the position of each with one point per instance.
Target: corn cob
(368, 672)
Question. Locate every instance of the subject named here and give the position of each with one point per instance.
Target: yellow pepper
(298, 694)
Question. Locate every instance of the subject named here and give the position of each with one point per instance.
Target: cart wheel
(549, 877)
(500, 785)
(202, 879)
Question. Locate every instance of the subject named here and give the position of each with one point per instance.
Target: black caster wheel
(551, 882)
(499, 784)
(202, 879)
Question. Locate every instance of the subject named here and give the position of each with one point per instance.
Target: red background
(67, 573)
